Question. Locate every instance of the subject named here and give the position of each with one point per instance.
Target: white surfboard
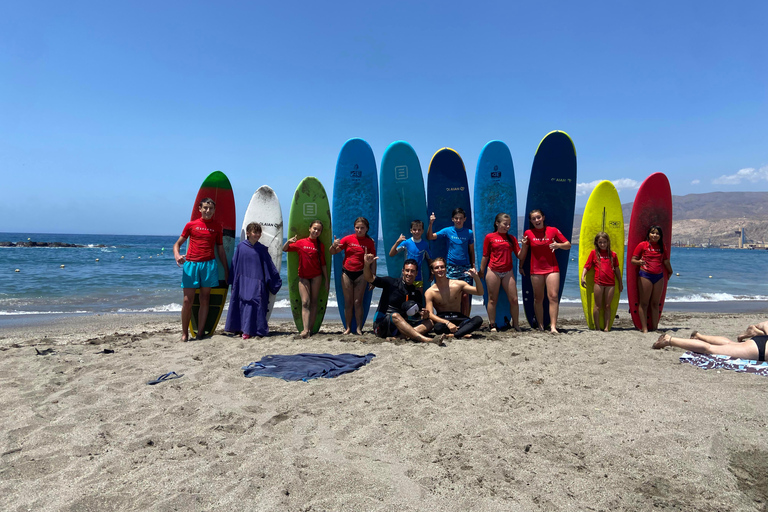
(264, 208)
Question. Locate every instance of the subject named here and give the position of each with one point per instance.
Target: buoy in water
(677, 273)
(17, 270)
(122, 257)
(97, 259)
(61, 266)
(710, 277)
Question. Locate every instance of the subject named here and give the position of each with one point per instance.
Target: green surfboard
(310, 202)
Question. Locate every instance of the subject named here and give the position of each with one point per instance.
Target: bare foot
(493, 328)
(304, 334)
(517, 328)
(359, 332)
(694, 335)
(184, 338)
(348, 331)
(554, 331)
(644, 331)
(437, 340)
(662, 342)
(606, 330)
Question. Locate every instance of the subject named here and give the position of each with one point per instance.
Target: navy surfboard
(552, 189)
(447, 189)
(402, 200)
(355, 194)
(494, 193)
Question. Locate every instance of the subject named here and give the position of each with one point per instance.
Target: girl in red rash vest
(545, 272)
(355, 247)
(311, 268)
(498, 248)
(607, 273)
(652, 258)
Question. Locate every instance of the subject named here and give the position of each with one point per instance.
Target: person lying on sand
(749, 346)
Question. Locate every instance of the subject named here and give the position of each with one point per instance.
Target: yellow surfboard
(602, 213)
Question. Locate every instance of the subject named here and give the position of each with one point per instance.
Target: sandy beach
(530, 421)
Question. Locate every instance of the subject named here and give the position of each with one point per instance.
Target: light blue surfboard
(552, 189)
(402, 199)
(446, 189)
(494, 193)
(355, 194)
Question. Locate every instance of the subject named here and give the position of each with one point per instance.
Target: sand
(580, 421)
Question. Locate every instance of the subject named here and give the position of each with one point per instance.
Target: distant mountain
(706, 219)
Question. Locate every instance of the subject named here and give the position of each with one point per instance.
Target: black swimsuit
(760, 342)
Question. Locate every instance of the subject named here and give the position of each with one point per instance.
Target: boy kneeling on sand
(200, 268)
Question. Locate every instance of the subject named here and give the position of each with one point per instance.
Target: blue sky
(112, 113)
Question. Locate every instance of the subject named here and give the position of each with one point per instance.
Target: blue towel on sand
(306, 366)
(716, 362)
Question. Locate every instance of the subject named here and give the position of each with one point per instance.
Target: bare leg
(644, 290)
(202, 313)
(315, 285)
(744, 350)
(658, 287)
(712, 340)
(608, 292)
(493, 283)
(553, 294)
(305, 294)
(597, 296)
(358, 292)
(413, 333)
(186, 312)
(538, 282)
(347, 287)
(514, 308)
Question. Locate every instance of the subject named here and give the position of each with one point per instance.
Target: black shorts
(760, 342)
(352, 275)
(384, 327)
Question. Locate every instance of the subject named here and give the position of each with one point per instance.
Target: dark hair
(600, 235)
(499, 217)
(661, 235)
(457, 211)
(253, 227)
(417, 221)
(439, 258)
(531, 213)
(364, 221)
(411, 261)
(317, 221)
(206, 200)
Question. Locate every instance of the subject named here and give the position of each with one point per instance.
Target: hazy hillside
(711, 218)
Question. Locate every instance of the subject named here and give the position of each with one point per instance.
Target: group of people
(405, 309)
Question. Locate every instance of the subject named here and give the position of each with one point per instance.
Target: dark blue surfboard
(552, 189)
(402, 200)
(446, 189)
(495, 192)
(355, 194)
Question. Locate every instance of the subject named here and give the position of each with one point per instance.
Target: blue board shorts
(200, 274)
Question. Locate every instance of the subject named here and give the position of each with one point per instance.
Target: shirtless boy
(445, 297)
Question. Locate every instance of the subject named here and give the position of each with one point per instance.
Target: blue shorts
(200, 274)
(653, 278)
(458, 272)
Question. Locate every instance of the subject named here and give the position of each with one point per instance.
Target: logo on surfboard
(310, 209)
(401, 172)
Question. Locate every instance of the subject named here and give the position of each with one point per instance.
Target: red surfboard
(217, 187)
(652, 206)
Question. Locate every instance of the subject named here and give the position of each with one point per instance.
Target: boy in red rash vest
(199, 264)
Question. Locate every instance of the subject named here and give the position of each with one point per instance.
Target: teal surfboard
(446, 189)
(402, 199)
(552, 189)
(494, 193)
(355, 194)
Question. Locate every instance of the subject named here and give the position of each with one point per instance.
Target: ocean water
(137, 274)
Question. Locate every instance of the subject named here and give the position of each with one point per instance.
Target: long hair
(661, 236)
(367, 225)
(600, 235)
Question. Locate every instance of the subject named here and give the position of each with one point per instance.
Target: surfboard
(551, 189)
(355, 194)
(602, 213)
(402, 198)
(652, 206)
(264, 208)
(217, 187)
(309, 203)
(494, 193)
(447, 189)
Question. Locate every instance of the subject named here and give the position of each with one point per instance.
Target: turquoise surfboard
(447, 189)
(494, 193)
(552, 189)
(355, 194)
(402, 199)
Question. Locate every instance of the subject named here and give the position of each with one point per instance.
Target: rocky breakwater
(45, 244)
